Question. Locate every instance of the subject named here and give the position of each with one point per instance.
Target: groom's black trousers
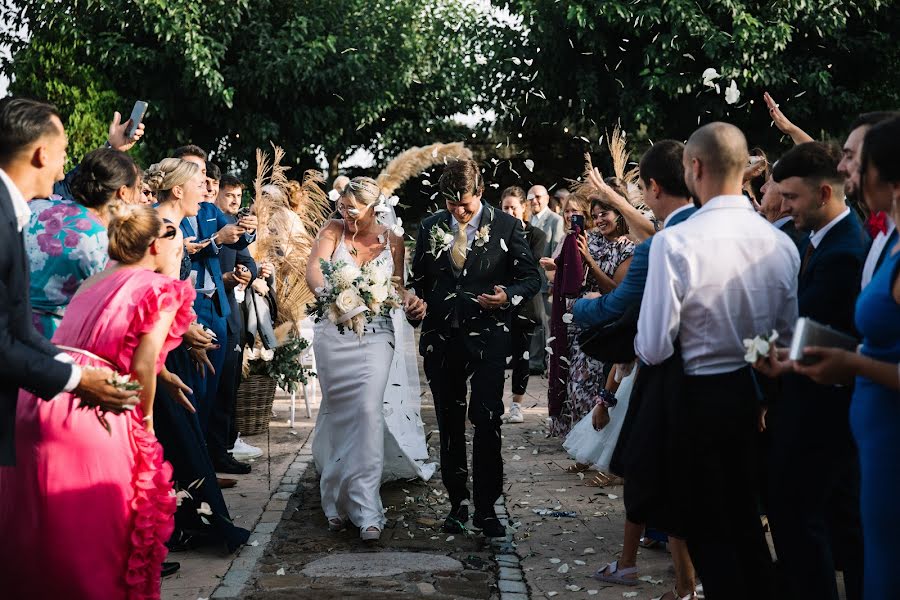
(448, 373)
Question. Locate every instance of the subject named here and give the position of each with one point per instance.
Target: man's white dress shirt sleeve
(660, 316)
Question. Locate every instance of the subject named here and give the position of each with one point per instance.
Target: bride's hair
(362, 189)
(167, 173)
(131, 231)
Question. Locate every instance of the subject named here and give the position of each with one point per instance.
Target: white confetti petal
(529, 164)
(280, 571)
(555, 561)
(732, 94)
(563, 568)
(567, 318)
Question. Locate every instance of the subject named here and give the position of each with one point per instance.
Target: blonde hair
(167, 173)
(364, 190)
(580, 202)
(132, 229)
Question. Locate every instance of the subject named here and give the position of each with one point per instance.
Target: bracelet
(607, 399)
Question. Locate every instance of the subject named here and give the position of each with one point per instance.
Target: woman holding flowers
(355, 268)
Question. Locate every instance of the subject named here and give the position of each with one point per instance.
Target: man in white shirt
(849, 168)
(720, 277)
(552, 225)
(32, 154)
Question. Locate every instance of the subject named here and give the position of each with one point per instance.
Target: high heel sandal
(336, 524)
(370, 534)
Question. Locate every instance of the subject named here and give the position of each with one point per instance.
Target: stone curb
(510, 577)
(243, 565)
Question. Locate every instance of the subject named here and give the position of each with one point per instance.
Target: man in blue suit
(814, 472)
(212, 305)
(662, 184)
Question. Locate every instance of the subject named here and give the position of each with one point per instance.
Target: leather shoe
(225, 483)
(170, 568)
(489, 525)
(228, 464)
(456, 520)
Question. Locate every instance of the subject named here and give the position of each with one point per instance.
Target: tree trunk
(333, 165)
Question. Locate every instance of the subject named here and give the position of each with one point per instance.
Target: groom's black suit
(461, 341)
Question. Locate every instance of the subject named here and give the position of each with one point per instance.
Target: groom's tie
(458, 253)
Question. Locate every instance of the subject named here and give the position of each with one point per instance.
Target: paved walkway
(544, 557)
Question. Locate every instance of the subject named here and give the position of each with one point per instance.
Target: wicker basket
(253, 409)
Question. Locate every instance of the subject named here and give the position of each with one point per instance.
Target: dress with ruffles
(87, 510)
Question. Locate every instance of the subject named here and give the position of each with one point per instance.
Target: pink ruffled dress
(86, 512)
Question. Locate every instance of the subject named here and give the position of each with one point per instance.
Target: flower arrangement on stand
(280, 364)
(352, 297)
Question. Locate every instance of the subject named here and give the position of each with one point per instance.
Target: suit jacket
(451, 298)
(228, 259)
(799, 237)
(26, 357)
(529, 310)
(552, 226)
(611, 306)
(827, 291)
(211, 219)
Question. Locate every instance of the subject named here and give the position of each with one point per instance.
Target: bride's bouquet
(353, 296)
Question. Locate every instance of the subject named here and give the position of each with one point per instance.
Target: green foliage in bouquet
(282, 364)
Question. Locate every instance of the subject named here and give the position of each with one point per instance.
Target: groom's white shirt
(471, 226)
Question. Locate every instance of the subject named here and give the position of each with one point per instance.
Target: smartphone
(578, 221)
(209, 239)
(137, 115)
(811, 333)
(244, 212)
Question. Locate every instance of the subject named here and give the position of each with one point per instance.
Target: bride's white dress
(368, 429)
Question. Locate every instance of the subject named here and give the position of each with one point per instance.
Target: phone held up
(137, 115)
(244, 212)
(578, 221)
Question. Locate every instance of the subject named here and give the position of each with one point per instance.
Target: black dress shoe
(489, 525)
(228, 464)
(456, 520)
(170, 568)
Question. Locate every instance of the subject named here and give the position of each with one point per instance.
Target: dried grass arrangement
(412, 162)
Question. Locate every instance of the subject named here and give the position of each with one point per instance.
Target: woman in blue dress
(875, 410)
(66, 240)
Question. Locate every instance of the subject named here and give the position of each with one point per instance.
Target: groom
(472, 266)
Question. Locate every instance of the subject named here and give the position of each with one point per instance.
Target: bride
(368, 429)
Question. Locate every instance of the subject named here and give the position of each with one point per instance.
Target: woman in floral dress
(607, 255)
(67, 241)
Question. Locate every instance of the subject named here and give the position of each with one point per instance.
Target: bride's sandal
(370, 534)
(336, 524)
(578, 468)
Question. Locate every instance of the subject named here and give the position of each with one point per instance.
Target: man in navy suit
(813, 472)
(32, 154)
(212, 305)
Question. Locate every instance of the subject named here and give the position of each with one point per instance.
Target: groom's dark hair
(461, 177)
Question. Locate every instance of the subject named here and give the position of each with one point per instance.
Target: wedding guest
(95, 473)
(195, 154)
(772, 208)
(213, 175)
(238, 270)
(551, 224)
(32, 155)
(814, 470)
(874, 411)
(148, 196)
(664, 191)
(527, 315)
(710, 286)
(614, 192)
(66, 240)
(849, 167)
(605, 254)
(558, 201)
(180, 186)
(337, 187)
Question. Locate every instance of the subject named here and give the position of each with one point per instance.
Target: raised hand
(783, 123)
(117, 130)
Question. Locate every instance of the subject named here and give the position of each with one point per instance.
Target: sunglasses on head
(170, 233)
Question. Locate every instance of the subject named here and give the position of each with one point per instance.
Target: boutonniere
(440, 239)
(482, 236)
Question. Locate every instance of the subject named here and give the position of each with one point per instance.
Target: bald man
(552, 225)
(722, 276)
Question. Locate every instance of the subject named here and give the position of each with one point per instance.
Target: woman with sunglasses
(180, 186)
(91, 494)
(66, 240)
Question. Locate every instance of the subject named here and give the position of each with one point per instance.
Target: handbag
(612, 342)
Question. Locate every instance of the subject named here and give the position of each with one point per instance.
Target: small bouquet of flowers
(353, 296)
(759, 346)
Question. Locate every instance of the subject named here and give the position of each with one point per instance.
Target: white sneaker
(514, 415)
(244, 451)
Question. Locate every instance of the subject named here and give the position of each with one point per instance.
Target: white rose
(267, 354)
(379, 292)
(348, 300)
(345, 276)
(448, 238)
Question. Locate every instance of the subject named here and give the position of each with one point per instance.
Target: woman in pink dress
(87, 510)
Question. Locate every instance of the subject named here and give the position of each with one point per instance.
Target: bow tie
(877, 222)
